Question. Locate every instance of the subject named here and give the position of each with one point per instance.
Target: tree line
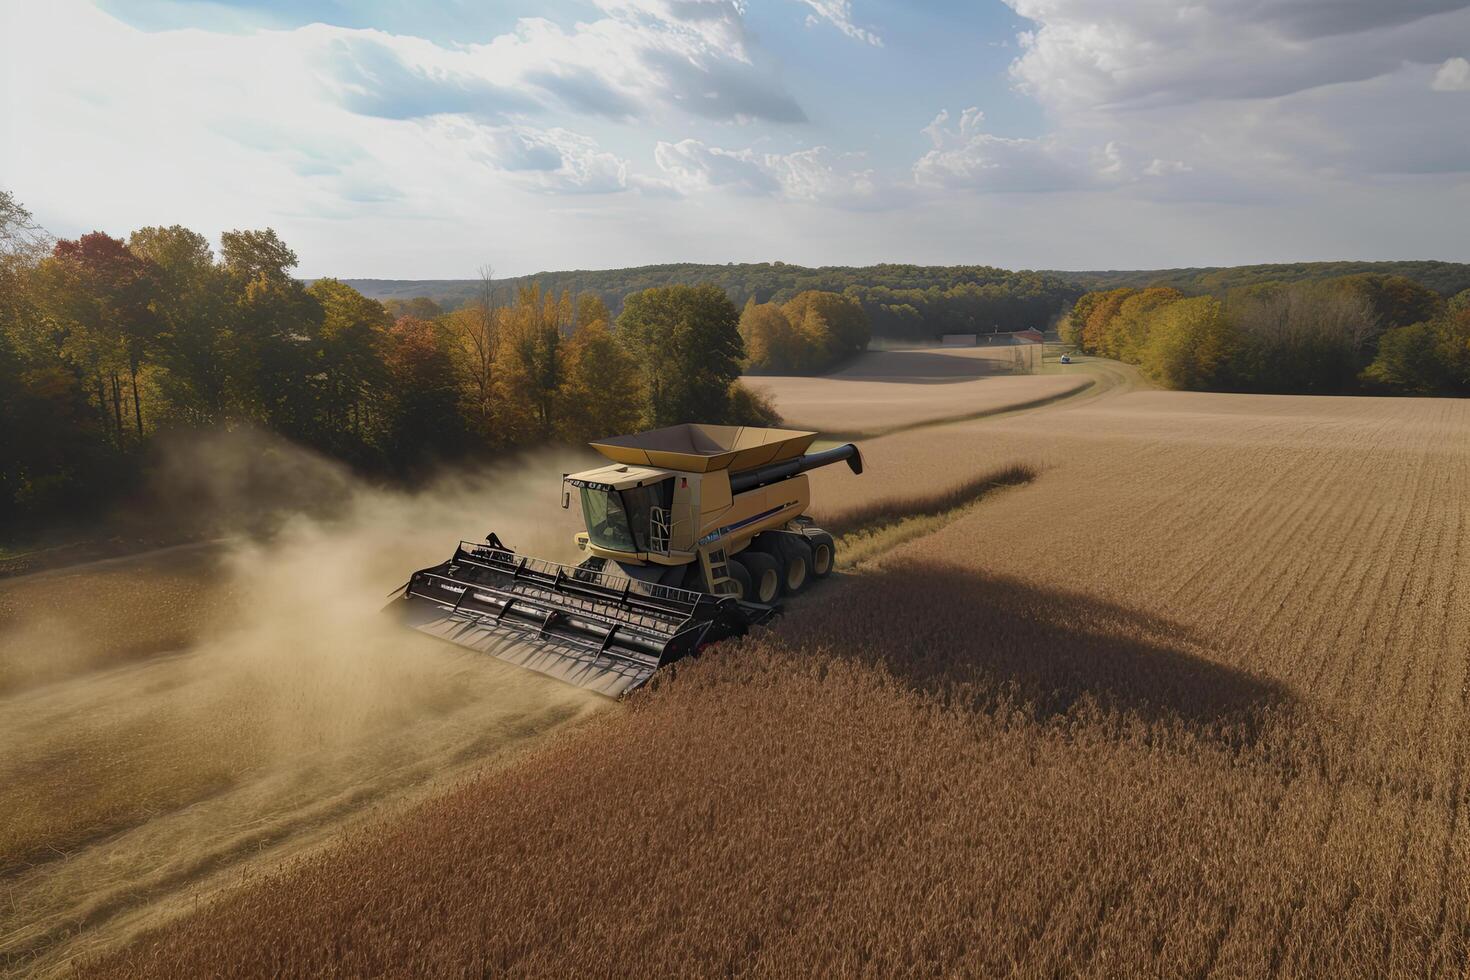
(106, 343)
(1445, 278)
(916, 303)
(1365, 333)
(808, 333)
(902, 302)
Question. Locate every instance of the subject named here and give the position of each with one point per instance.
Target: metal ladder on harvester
(716, 565)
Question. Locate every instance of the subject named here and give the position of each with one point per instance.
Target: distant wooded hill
(914, 301)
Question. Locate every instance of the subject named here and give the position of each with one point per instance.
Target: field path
(885, 392)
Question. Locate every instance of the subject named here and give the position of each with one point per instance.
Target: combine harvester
(694, 532)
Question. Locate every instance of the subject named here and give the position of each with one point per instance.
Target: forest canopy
(917, 302)
(106, 343)
(1362, 333)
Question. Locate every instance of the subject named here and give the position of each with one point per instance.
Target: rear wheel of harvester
(824, 553)
(741, 576)
(796, 563)
(765, 575)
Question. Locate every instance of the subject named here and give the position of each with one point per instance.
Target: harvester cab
(692, 534)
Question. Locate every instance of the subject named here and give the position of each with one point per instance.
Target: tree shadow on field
(981, 640)
(917, 367)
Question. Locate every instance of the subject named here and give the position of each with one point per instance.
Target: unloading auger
(693, 534)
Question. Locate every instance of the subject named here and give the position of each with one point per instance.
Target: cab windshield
(607, 521)
(622, 520)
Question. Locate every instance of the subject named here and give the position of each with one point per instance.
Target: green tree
(1408, 360)
(686, 343)
(278, 328)
(194, 342)
(1397, 301)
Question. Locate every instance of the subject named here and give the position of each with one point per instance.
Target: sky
(426, 140)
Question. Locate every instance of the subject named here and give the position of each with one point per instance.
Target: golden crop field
(885, 391)
(1187, 695)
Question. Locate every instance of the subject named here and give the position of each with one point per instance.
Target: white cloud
(816, 175)
(555, 159)
(838, 13)
(1221, 100)
(966, 157)
(1089, 53)
(1453, 76)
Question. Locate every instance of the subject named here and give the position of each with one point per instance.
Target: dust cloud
(178, 719)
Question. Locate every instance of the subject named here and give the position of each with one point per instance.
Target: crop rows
(1192, 702)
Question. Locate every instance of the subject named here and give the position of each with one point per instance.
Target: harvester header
(693, 533)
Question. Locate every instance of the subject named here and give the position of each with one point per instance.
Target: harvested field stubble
(1192, 702)
(885, 391)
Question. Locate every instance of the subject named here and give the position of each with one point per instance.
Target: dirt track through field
(883, 392)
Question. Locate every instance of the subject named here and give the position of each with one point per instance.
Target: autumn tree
(847, 330)
(419, 307)
(771, 344)
(591, 309)
(100, 294)
(531, 361)
(474, 344)
(422, 396)
(601, 392)
(349, 359)
(1074, 326)
(1100, 318)
(1126, 335)
(1188, 342)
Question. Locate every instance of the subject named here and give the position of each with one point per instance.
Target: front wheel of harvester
(765, 575)
(796, 563)
(741, 575)
(824, 553)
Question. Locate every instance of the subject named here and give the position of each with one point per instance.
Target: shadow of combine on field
(980, 641)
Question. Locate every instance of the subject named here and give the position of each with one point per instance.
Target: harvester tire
(741, 575)
(796, 563)
(765, 575)
(824, 553)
